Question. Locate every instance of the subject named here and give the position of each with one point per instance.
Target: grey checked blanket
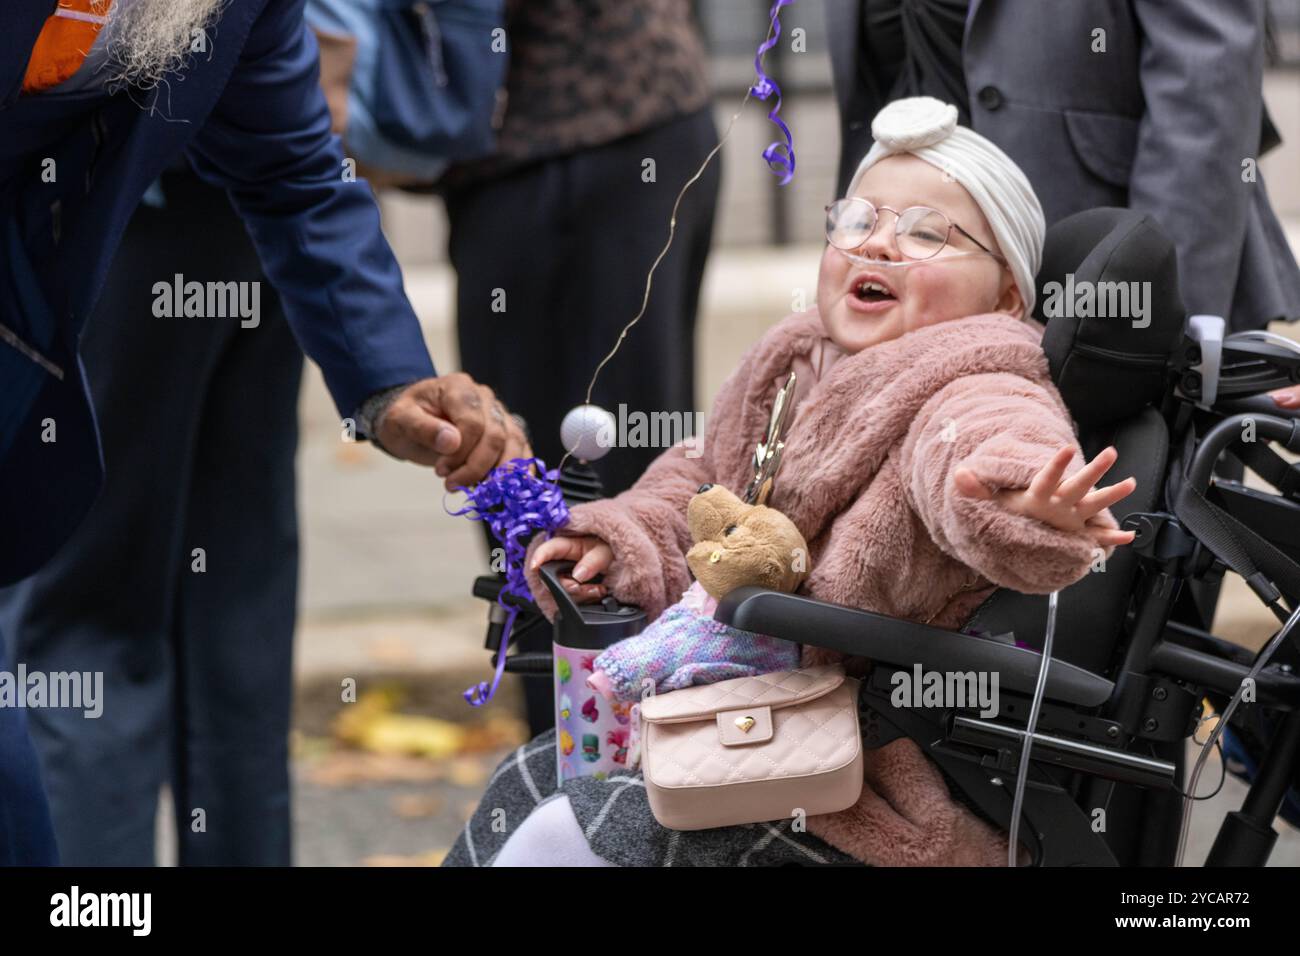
(615, 816)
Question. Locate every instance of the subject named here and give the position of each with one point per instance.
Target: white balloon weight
(588, 432)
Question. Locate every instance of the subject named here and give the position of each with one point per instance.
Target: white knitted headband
(927, 128)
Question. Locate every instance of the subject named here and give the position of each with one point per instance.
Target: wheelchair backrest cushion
(1108, 295)
(1091, 611)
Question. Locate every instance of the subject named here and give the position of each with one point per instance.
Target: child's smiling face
(927, 293)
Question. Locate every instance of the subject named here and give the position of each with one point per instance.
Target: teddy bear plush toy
(735, 544)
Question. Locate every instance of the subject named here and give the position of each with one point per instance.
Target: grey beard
(149, 39)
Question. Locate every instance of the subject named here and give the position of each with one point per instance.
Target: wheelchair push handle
(589, 626)
(1228, 432)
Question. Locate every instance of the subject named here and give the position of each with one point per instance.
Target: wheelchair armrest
(891, 640)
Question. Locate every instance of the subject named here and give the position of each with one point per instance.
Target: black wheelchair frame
(1135, 657)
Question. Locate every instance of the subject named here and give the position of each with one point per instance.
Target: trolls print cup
(591, 733)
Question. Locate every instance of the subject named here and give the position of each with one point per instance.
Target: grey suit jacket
(1161, 122)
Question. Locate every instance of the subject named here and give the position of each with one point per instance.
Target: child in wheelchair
(929, 459)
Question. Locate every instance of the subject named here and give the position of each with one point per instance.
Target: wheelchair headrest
(1108, 294)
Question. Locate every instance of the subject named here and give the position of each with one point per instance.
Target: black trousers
(26, 831)
(561, 248)
(566, 244)
(199, 425)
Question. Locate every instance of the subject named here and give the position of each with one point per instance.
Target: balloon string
(672, 231)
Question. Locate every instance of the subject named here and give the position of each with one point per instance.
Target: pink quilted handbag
(753, 749)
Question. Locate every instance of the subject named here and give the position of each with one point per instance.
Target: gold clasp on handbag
(744, 728)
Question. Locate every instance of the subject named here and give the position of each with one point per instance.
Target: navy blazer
(250, 116)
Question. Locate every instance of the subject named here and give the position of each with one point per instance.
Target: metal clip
(767, 455)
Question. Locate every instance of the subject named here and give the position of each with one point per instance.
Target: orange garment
(62, 45)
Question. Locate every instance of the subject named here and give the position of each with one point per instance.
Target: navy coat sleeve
(268, 141)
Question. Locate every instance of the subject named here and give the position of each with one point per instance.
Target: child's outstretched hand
(1064, 504)
(593, 557)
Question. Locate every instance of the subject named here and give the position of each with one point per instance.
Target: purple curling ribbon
(779, 156)
(515, 504)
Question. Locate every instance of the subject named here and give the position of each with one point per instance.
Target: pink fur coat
(867, 478)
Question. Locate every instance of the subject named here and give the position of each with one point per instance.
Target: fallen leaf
(347, 768)
(430, 858)
(468, 772)
(413, 806)
(498, 732)
(391, 650)
(304, 747)
(352, 454)
(405, 734)
(371, 724)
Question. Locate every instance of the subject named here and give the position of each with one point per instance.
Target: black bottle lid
(588, 626)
